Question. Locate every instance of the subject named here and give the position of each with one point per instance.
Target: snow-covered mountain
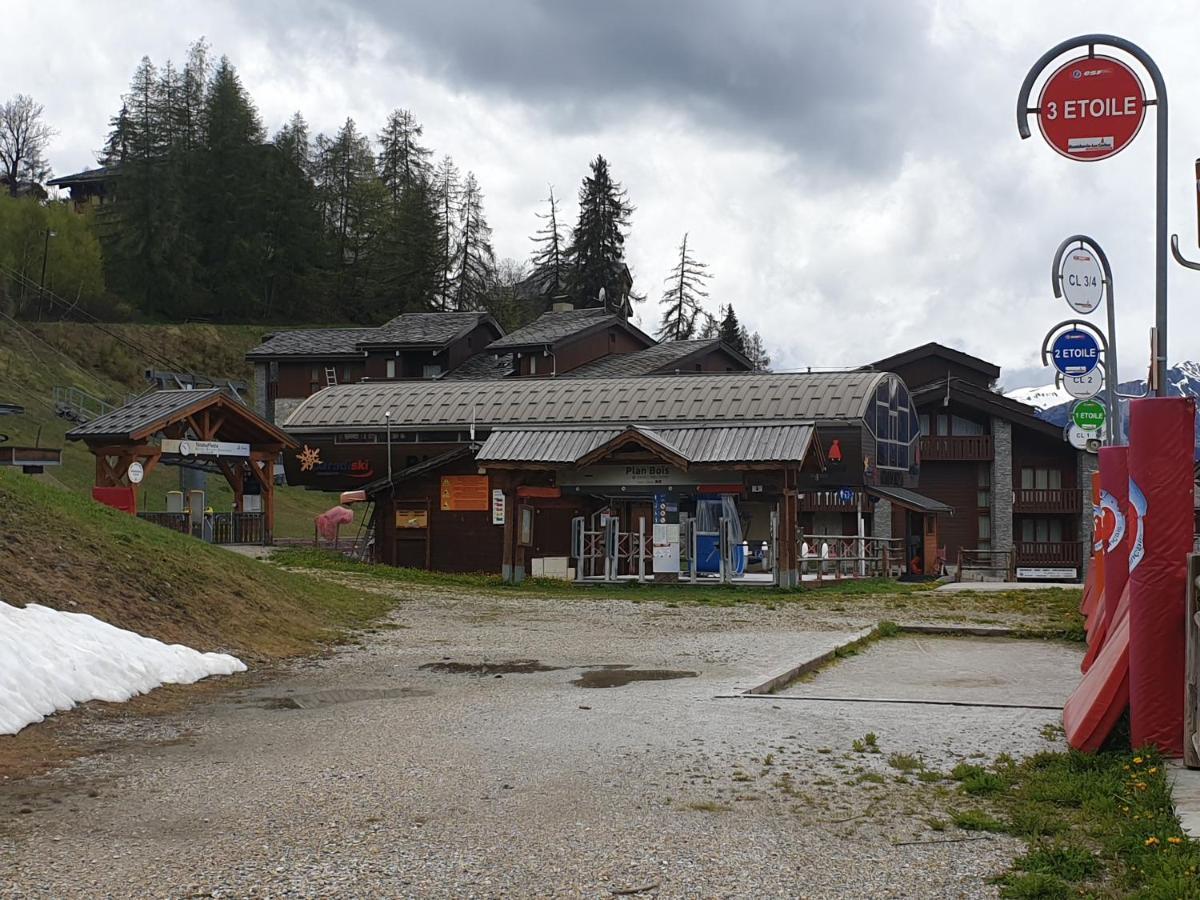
(1054, 404)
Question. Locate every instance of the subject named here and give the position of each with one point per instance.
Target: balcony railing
(1047, 500)
(969, 448)
(827, 501)
(1052, 554)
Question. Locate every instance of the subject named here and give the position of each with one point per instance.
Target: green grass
(68, 552)
(36, 358)
(1102, 823)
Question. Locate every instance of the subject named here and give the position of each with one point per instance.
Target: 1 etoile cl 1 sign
(1091, 108)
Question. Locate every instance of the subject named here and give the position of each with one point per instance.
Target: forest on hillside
(212, 219)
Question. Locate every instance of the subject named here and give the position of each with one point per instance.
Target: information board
(465, 493)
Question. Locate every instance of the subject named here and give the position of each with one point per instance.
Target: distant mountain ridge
(1054, 404)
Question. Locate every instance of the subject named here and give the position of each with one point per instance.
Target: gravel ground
(366, 775)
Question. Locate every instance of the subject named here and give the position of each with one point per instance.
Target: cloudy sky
(850, 171)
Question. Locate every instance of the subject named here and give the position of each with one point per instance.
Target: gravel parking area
(425, 763)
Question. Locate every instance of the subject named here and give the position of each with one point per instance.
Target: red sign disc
(1091, 108)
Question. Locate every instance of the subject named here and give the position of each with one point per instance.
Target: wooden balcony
(959, 448)
(1064, 554)
(1048, 501)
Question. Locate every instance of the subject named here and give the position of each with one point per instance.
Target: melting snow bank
(51, 660)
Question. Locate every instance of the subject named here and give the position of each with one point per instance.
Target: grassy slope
(72, 354)
(67, 552)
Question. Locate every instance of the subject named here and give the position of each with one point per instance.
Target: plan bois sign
(1091, 108)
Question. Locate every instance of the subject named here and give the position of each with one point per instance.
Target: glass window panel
(943, 424)
(985, 476)
(916, 423)
(1043, 531)
(984, 499)
(1055, 479)
(1040, 479)
(1027, 531)
(985, 528)
(1055, 531)
(1027, 479)
(964, 427)
(925, 423)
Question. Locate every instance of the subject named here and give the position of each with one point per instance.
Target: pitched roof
(910, 499)
(156, 410)
(660, 358)
(554, 327)
(425, 330)
(423, 467)
(991, 401)
(482, 367)
(699, 444)
(661, 399)
(100, 173)
(432, 329)
(933, 348)
(311, 342)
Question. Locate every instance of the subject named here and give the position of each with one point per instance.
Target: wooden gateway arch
(183, 426)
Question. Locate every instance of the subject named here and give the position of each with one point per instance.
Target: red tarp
(122, 498)
(329, 521)
(1161, 447)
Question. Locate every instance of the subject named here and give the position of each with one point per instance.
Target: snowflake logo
(309, 458)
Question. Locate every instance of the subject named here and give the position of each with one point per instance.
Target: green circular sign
(1089, 415)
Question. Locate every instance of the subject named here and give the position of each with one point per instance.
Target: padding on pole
(1161, 449)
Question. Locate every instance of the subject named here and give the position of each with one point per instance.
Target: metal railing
(79, 406)
(975, 447)
(840, 556)
(240, 528)
(175, 521)
(826, 501)
(998, 563)
(1047, 500)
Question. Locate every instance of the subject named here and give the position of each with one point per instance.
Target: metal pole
(388, 418)
(1159, 363)
(1112, 372)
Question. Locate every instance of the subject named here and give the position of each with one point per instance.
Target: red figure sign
(1091, 108)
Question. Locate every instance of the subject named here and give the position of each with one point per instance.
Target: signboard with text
(1084, 387)
(1082, 280)
(1091, 108)
(465, 493)
(1075, 352)
(204, 448)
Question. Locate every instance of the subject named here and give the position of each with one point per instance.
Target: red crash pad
(1096, 705)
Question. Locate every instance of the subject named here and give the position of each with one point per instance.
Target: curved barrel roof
(567, 401)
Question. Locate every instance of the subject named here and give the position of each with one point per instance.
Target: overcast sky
(850, 171)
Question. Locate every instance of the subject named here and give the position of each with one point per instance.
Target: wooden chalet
(1013, 481)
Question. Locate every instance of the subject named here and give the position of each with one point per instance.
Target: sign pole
(1159, 362)
(1112, 373)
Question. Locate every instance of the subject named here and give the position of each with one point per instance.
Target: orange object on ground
(1098, 636)
(1096, 705)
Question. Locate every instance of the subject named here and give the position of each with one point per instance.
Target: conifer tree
(550, 266)
(447, 198)
(402, 160)
(756, 350)
(730, 330)
(597, 251)
(681, 299)
(476, 259)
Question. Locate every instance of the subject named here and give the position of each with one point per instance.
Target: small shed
(178, 426)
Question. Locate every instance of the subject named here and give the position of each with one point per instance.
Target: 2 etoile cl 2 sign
(1091, 108)
(1075, 352)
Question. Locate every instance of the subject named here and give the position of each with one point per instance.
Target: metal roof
(152, 411)
(552, 327)
(911, 499)
(701, 444)
(655, 399)
(422, 468)
(651, 360)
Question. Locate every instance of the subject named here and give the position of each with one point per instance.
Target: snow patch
(1040, 397)
(51, 660)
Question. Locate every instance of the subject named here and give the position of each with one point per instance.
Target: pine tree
(756, 350)
(597, 251)
(730, 330)
(476, 259)
(447, 197)
(685, 287)
(550, 267)
(709, 327)
(196, 72)
(403, 162)
(292, 240)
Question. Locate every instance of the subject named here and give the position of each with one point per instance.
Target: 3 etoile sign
(1091, 108)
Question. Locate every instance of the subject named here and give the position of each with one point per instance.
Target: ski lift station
(771, 478)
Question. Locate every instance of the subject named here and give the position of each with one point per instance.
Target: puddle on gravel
(318, 699)
(510, 667)
(612, 676)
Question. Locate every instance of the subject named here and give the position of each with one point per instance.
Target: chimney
(562, 303)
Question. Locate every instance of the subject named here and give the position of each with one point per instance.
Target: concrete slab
(958, 669)
(987, 586)
(952, 586)
(1185, 791)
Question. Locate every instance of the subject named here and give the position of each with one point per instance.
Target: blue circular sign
(846, 495)
(1075, 352)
